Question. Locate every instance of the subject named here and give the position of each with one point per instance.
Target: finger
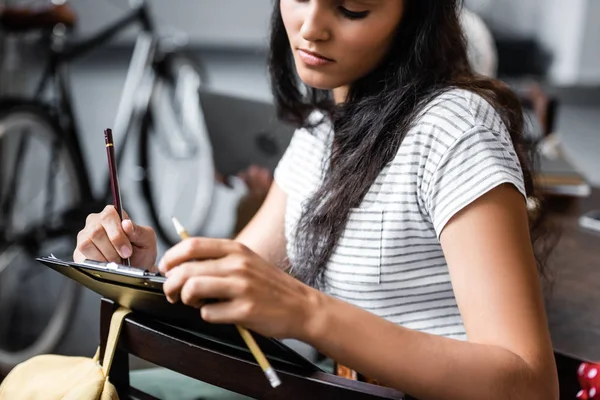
(140, 236)
(253, 170)
(215, 267)
(100, 239)
(176, 278)
(179, 275)
(111, 222)
(77, 256)
(222, 312)
(254, 178)
(86, 249)
(198, 249)
(266, 178)
(130, 228)
(198, 289)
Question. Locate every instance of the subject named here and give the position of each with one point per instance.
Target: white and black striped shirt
(389, 260)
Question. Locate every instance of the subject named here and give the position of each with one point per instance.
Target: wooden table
(573, 298)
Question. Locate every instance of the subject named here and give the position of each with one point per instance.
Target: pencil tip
(178, 227)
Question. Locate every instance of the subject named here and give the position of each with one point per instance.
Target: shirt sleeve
(477, 162)
(283, 172)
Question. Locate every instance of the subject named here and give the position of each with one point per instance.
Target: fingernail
(125, 252)
(161, 267)
(130, 222)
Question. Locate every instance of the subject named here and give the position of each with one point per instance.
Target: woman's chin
(318, 80)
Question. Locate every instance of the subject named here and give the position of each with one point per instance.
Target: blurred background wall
(209, 23)
(568, 31)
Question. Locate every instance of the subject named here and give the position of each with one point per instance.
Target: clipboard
(141, 291)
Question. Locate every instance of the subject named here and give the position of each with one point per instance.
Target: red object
(581, 376)
(588, 375)
(582, 395)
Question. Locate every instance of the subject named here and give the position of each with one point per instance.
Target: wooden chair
(188, 354)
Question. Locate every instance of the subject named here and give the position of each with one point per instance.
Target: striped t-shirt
(389, 260)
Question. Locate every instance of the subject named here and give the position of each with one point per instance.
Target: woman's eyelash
(353, 14)
(347, 13)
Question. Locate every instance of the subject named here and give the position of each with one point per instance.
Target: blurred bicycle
(45, 191)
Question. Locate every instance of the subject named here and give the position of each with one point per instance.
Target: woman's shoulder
(456, 112)
(453, 120)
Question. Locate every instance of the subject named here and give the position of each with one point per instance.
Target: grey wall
(569, 30)
(590, 49)
(513, 17)
(215, 23)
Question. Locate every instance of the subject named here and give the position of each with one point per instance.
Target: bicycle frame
(55, 75)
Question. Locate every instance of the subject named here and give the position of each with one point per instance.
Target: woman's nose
(315, 27)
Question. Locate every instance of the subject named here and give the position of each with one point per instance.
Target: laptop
(243, 131)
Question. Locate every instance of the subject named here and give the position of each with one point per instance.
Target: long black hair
(427, 57)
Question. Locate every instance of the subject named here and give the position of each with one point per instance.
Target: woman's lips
(313, 59)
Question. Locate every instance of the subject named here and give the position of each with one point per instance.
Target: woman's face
(336, 42)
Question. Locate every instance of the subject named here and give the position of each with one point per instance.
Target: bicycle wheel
(38, 184)
(175, 152)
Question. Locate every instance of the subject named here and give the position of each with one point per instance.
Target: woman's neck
(340, 94)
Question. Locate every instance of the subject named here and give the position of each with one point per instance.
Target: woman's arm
(509, 353)
(264, 234)
(487, 246)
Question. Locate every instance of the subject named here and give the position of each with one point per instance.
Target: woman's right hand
(106, 238)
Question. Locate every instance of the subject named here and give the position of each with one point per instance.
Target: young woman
(396, 237)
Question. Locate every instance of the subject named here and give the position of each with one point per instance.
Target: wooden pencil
(262, 361)
(114, 178)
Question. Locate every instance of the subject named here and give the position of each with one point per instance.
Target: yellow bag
(53, 377)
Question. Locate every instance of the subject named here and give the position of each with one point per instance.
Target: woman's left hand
(251, 292)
